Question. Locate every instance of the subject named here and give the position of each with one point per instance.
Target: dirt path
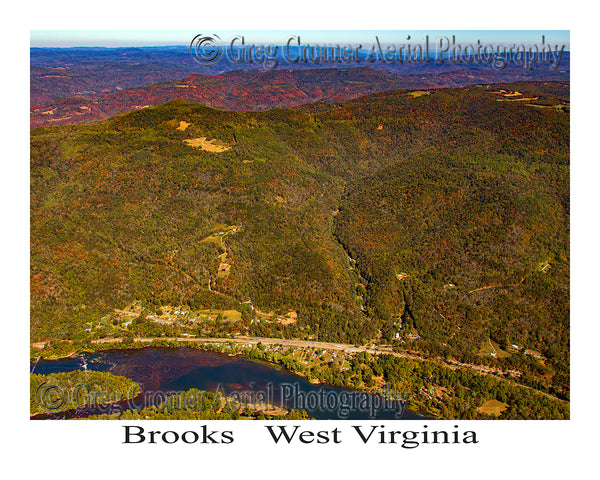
(499, 286)
(493, 349)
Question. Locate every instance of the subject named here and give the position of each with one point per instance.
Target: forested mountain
(437, 218)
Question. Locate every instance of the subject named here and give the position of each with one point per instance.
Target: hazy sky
(127, 38)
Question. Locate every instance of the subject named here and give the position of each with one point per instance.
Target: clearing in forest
(211, 315)
(213, 145)
(223, 270)
(492, 349)
(284, 319)
(217, 238)
(493, 407)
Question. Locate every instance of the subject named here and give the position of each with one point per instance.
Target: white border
(548, 449)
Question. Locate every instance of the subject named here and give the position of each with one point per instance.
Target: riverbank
(361, 369)
(99, 394)
(253, 387)
(263, 351)
(339, 347)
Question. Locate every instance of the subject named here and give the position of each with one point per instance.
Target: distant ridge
(252, 90)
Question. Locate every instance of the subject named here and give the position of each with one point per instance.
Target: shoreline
(254, 341)
(268, 409)
(140, 343)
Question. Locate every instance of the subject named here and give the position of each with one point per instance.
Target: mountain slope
(453, 206)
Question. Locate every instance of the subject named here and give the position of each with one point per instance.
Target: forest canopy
(438, 220)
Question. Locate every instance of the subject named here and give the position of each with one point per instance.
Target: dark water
(169, 370)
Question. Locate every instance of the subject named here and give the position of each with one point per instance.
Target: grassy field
(223, 270)
(227, 315)
(217, 237)
(418, 93)
(490, 347)
(213, 145)
(493, 407)
(168, 313)
(285, 318)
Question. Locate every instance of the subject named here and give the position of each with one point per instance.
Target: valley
(423, 225)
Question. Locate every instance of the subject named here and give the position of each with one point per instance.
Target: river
(170, 370)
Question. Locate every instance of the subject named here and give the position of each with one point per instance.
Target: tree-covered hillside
(435, 218)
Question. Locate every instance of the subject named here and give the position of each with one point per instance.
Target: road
(341, 347)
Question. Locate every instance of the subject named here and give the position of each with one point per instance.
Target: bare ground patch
(223, 270)
(288, 318)
(418, 93)
(213, 145)
(493, 407)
